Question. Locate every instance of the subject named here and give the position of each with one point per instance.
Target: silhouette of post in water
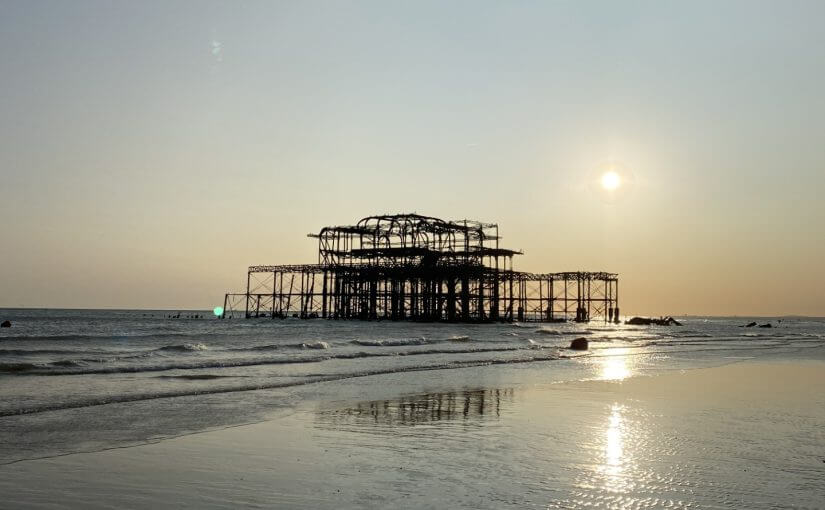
(420, 268)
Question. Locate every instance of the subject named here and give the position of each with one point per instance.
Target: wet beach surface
(321, 414)
(644, 442)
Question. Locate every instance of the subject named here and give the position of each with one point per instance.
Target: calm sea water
(84, 380)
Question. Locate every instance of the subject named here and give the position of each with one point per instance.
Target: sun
(611, 180)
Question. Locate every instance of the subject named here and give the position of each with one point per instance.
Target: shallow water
(87, 380)
(666, 443)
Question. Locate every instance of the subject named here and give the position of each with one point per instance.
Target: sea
(88, 380)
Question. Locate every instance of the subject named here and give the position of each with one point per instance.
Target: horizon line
(780, 316)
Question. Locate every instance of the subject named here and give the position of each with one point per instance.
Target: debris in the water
(648, 321)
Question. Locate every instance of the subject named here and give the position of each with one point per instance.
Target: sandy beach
(743, 435)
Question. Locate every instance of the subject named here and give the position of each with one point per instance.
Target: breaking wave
(118, 399)
(184, 348)
(315, 345)
(557, 332)
(52, 369)
(393, 342)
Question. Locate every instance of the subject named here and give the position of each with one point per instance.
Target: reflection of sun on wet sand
(615, 364)
(743, 436)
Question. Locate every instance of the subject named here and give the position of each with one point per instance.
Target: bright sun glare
(611, 180)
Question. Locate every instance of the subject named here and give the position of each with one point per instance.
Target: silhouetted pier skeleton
(420, 268)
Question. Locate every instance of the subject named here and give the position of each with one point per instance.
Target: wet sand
(748, 434)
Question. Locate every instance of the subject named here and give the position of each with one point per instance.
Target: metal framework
(413, 267)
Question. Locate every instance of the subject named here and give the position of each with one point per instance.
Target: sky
(151, 151)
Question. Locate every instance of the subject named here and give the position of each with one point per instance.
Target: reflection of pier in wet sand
(420, 409)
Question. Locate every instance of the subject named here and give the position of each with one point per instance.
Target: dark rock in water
(645, 321)
(748, 325)
(768, 325)
(579, 344)
(639, 321)
(5, 324)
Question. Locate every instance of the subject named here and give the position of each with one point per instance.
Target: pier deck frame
(413, 267)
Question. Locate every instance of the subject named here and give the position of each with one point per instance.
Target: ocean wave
(37, 368)
(546, 331)
(459, 338)
(100, 337)
(184, 348)
(50, 370)
(629, 339)
(558, 332)
(472, 350)
(268, 347)
(394, 342)
(318, 378)
(315, 345)
(199, 377)
(39, 352)
(18, 367)
(690, 333)
(68, 363)
(722, 341)
(119, 399)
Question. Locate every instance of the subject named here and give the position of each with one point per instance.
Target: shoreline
(609, 439)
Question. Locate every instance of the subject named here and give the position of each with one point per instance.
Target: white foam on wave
(459, 338)
(316, 345)
(558, 332)
(185, 347)
(392, 342)
(547, 331)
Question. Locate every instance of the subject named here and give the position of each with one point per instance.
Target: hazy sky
(151, 151)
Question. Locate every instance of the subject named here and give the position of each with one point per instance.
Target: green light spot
(218, 311)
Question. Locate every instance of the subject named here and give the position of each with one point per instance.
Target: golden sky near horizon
(150, 152)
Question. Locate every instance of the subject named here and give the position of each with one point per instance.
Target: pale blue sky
(150, 151)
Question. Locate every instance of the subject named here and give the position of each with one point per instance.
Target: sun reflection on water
(615, 366)
(614, 454)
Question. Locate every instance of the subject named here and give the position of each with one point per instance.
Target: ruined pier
(420, 268)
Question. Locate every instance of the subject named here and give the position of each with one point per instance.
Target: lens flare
(218, 311)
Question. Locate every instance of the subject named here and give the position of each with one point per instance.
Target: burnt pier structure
(420, 268)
